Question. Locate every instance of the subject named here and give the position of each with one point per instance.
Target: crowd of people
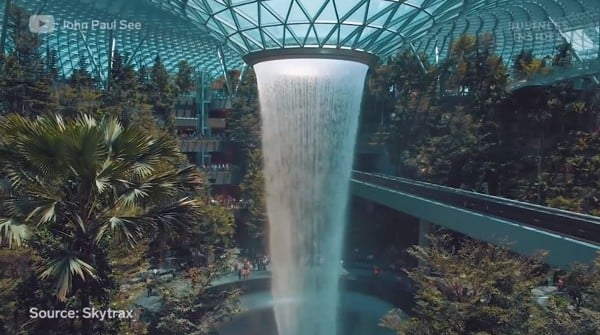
(196, 135)
(228, 201)
(217, 167)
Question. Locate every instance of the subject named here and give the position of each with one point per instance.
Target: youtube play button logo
(41, 24)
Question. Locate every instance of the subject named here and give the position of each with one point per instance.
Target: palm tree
(75, 188)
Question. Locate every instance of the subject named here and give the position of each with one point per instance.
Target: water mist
(309, 110)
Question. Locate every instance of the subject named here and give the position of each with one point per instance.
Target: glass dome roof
(196, 29)
(162, 32)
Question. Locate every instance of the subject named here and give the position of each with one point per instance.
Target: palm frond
(86, 149)
(133, 196)
(62, 270)
(113, 174)
(43, 214)
(158, 188)
(102, 184)
(176, 217)
(13, 232)
(40, 145)
(142, 152)
(112, 129)
(18, 207)
(123, 230)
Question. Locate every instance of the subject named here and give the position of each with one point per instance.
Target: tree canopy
(469, 287)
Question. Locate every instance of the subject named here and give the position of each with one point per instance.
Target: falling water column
(309, 110)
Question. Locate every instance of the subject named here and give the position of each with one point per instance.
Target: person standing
(561, 283)
(246, 269)
(149, 285)
(264, 262)
(258, 261)
(376, 271)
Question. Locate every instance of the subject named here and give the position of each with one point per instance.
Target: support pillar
(416, 54)
(222, 61)
(137, 48)
(92, 58)
(241, 78)
(111, 51)
(424, 230)
(5, 26)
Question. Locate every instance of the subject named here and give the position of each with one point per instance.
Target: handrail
(558, 73)
(512, 202)
(579, 226)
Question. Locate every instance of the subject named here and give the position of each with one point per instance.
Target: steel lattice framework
(198, 30)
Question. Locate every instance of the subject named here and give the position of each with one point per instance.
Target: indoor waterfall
(309, 109)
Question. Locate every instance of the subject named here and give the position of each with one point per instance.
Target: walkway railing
(578, 226)
(557, 74)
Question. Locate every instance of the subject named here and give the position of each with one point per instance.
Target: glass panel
(582, 44)
(344, 6)
(300, 30)
(267, 18)
(238, 41)
(279, 7)
(251, 10)
(270, 42)
(328, 14)
(312, 7)
(323, 30)
(366, 33)
(228, 30)
(290, 38)
(312, 38)
(253, 37)
(345, 31)
(275, 31)
(226, 17)
(297, 15)
(245, 22)
(215, 6)
(382, 14)
(358, 16)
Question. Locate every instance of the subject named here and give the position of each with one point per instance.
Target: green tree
(470, 288)
(245, 124)
(253, 191)
(192, 307)
(15, 263)
(80, 95)
(526, 65)
(25, 83)
(184, 78)
(216, 229)
(245, 130)
(122, 98)
(81, 78)
(162, 94)
(79, 186)
(563, 56)
(477, 288)
(577, 311)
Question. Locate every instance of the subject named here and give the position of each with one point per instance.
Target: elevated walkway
(524, 228)
(590, 68)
